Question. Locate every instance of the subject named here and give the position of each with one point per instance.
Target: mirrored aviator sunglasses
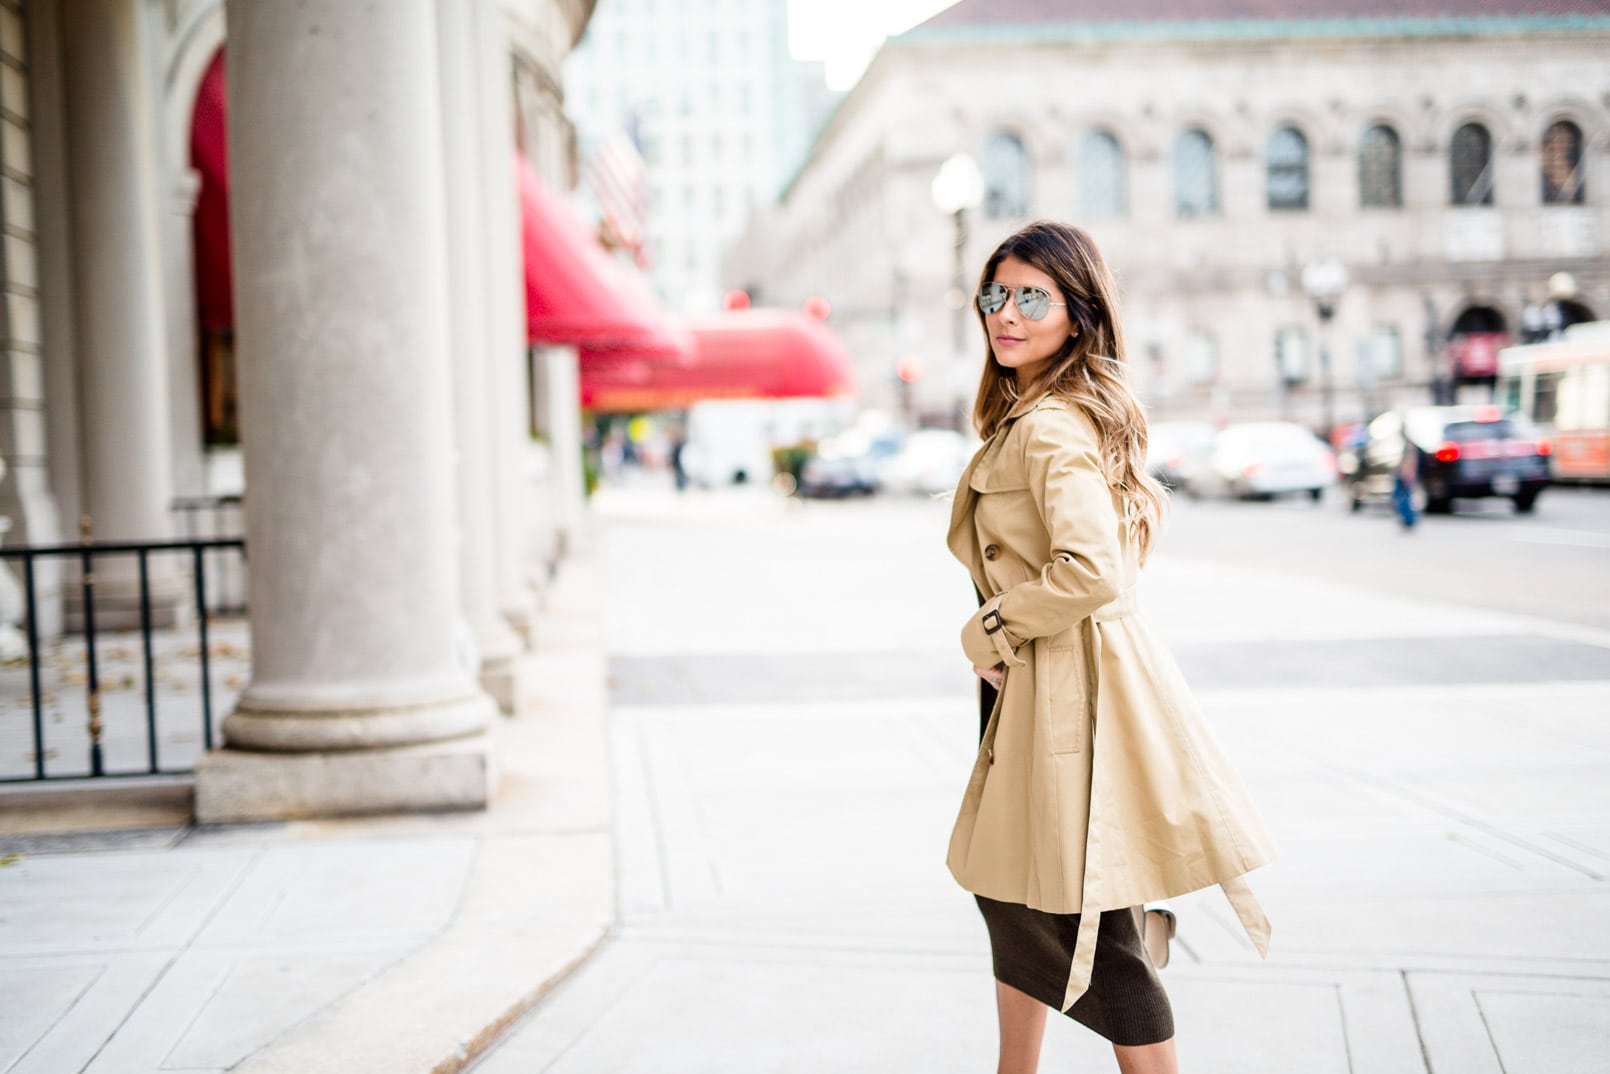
(1032, 302)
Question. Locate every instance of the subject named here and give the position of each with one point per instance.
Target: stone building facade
(400, 516)
(1451, 165)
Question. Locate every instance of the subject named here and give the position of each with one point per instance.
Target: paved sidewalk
(792, 729)
(788, 734)
(392, 946)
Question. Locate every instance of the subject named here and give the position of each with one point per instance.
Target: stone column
(27, 504)
(561, 397)
(505, 300)
(184, 382)
(117, 273)
(468, 159)
(358, 700)
(53, 237)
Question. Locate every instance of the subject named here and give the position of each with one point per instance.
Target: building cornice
(848, 103)
(1253, 29)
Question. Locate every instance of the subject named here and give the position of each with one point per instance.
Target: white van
(729, 441)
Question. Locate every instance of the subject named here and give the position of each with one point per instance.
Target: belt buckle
(998, 624)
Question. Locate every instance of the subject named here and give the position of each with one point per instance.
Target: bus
(1564, 387)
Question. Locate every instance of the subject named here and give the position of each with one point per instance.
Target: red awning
(209, 155)
(576, 293)
(739, 354)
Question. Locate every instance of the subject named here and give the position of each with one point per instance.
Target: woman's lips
(1007, 341)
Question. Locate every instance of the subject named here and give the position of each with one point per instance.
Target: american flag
(618, 180)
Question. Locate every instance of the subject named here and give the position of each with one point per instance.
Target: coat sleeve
(1063, 462)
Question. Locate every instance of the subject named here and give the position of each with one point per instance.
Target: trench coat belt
(1084, 943)
(1242, 901)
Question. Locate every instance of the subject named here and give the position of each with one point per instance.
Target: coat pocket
(1068, 691)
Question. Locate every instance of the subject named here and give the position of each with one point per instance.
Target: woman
(1097, 787)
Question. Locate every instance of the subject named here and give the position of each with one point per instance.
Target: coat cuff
(987, 641)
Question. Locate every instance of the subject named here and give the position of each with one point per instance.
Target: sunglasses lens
(1033, 302)
(991, 297)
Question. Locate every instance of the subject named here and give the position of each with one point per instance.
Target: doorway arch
(214, 279)
(1478, 332)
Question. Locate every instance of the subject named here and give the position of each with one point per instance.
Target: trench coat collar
(1044, 400)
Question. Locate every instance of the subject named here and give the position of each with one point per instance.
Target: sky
(845, 33)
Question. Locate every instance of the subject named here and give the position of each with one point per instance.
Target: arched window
(1380, 168)
(1201, 357)
(1196, 175)
(1383, 350)
(1562, 164)
(1470, 165)
(1101, 176)
(1006, 176)
(1291, 353)
(1286, 169)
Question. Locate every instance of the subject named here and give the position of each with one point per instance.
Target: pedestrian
(679, 444)
(612, 454)
(1404, 479)
(1097, 786)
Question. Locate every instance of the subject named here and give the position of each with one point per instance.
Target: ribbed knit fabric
(1033, 950)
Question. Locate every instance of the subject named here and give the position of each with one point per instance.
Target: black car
(1460, 452)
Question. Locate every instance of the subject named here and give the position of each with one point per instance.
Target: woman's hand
(995, 676)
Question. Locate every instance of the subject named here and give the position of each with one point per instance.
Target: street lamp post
(958, 187)
(1324, 281)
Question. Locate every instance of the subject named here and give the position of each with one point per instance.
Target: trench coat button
(992, 551)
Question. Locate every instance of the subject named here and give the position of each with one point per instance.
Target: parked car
(1172, 447)
(1263, 459)
(845, 465)
(930, 461)
(1462, 452)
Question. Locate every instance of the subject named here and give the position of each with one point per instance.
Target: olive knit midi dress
(1032, 950)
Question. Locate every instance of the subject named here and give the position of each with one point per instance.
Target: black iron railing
(88, 554)
(207, 517)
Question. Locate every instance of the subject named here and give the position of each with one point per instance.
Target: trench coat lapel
(962, 537)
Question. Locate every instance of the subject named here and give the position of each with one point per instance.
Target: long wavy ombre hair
(1090, 370)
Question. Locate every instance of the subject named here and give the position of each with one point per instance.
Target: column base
(234, 785)
(280, 725)
(499, 649)
(508, 680)
(521, 613)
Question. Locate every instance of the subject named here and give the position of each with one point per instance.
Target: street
(1421, 717)
(1554, 563)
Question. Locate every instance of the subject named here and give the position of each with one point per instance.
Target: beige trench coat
(1097, 785)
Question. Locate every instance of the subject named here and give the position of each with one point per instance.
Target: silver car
(1261, 460)
(931, 461)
